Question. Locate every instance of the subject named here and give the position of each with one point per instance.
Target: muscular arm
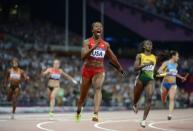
(65, 75)
(46, 72)
(160, 72)
(181, 77)
(162, 68)
(137, 65)
(85, 52)
(24, 75)
(113, 58)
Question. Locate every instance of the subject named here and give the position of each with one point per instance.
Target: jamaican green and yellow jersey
(147, 72)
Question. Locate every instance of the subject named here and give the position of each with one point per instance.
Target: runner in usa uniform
(93, 52)
(169, 72)
(13, 79)
(55, 74)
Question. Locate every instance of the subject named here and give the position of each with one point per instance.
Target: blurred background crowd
(179, 11)
(37, 37)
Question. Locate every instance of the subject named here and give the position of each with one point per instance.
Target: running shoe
(51, 115)
(78, 115)
(169, 117)
(12, 116)
(95, 118)
(143, 123)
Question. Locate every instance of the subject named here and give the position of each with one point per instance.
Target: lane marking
(151, 125)
(39, 125)
(3, 120)
(97, 125)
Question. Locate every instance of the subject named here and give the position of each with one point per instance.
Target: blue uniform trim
(168, 85)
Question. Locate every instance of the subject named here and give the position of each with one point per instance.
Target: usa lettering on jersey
(98, 53)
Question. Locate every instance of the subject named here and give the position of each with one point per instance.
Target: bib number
(148, 68)
(15, 76)
(55, 76)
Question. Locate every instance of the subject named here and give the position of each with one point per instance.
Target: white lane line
(97, 125)
(2, 120)
(152, 125)
(39, 125)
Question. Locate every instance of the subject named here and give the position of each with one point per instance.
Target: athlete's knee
(149, 99)
(52, 97)
(172, 98)
(98, 88)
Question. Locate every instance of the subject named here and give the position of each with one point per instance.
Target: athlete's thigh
(172, 91)
(85, 83)
(149, 87)
(163, 90)
(139, 86)
(98, 79)
(17, 92)
(55, 91)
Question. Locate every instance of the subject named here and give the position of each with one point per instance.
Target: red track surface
(109, 121)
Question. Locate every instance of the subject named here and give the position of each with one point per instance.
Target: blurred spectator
(178, 11)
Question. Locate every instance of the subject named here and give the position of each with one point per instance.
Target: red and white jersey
(55, 74)
(15, 75)
(97, 54)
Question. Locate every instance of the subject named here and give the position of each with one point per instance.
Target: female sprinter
(93, 74)
(13, 78)
(169, 71)
(145, 63)
(55, 74)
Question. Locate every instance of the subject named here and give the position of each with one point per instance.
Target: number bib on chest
(55, 76)
(173, 72)
(148, 68)
(98, 53)
(15, 76)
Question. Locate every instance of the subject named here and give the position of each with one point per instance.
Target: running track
(110, 121)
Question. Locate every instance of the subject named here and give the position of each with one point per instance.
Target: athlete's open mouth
(98, 32)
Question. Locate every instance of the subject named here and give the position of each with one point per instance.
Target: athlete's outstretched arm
(162, 68)
(65, 75)
(85, 52)
(113, 58)
(46, 72)
(181, 77)
(24, 75)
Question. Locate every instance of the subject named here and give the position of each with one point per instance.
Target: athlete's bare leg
(97, 83)
(149, 88)
(164, 93)
(53, 94)
(86, 83)
(138, 89)
(14, 99)
(172, 93)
